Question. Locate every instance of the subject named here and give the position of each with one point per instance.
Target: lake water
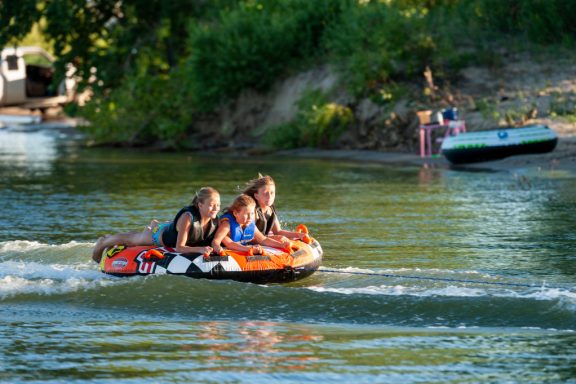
(429, 275)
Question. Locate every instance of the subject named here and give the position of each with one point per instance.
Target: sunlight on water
(35, 151)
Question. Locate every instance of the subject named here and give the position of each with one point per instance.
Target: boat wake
(30, 267)
(60, 281)
(436, 283)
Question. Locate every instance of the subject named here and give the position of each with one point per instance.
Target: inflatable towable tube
(274, 266)
(496, 144)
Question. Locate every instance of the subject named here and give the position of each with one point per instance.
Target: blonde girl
(192, 229)
(263, 191)
(237, 229)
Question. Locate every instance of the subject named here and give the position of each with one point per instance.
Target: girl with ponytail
(263, 190)
(192, 229)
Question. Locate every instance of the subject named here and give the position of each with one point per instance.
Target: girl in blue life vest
(237, 229)
(263, 191)
(192, 229)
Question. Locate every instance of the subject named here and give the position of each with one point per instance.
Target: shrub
(377, 42)
(550, 21)
(318, 123)
(142, 110)
(252, 45)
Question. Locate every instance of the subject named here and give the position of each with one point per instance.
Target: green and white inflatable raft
(474, 147)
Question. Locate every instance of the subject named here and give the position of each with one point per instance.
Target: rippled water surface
(429, 275)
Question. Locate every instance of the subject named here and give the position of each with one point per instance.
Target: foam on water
(31, 267)
(439, 283)
(11, 286)
(70, 253)
(34, 270)
(24, 246)
(542, 293)
(408, 270)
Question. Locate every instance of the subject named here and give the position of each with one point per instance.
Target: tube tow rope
(445, 279)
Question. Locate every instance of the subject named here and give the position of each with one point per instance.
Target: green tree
(17, 19)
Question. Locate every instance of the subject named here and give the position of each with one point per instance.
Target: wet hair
(241, 201)
(254, 185)
(203, 194)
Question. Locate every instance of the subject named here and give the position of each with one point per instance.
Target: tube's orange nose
(301, 228)
(153, 253)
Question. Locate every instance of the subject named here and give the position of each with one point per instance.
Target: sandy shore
(563, 158)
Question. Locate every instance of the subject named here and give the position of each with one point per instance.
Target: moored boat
(274, 266)
(496, 144)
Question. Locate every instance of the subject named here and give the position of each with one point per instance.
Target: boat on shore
(273, 266)
(29, 79)
(496, 144)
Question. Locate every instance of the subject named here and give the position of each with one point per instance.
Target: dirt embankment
(527, 88)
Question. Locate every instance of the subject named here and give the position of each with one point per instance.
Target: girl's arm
(259, 238)
(234, 245)
(221, 237)
(221, 233)
(277, 230)
(183, 225)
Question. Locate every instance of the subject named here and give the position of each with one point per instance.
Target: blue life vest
(236, 233)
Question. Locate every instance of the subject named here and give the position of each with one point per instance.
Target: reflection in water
(223, 351)
(258, 346)
(34, 150)
(428, 174)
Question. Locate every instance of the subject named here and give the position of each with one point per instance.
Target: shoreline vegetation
(286, 74)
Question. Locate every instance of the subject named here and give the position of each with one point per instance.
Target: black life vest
(196, 235)
(263, 223)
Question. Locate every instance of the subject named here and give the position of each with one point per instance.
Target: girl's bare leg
(153, 224)
(128, 238)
